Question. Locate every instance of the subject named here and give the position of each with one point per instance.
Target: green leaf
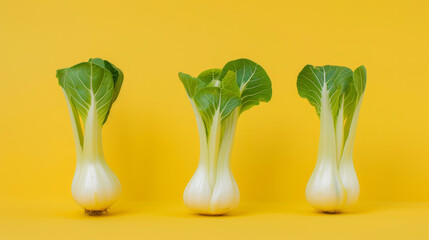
(229, 81)
(61, 76)
(98, 61)
(354, 91)
(311, 81)
(252, 80)
(210, 75)
(359, 79)
(117, 74)
(191, 84)
(207, 102)
(74, 115)
(86, 84)
(230, 100)
(353, 94)
(350, 97)
(117, 77)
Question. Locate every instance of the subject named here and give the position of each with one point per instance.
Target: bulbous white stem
(350, 181)
(325, 190)
(347, 171)
(212, 189)
(225, 195)
(202, 198)
(95, 187)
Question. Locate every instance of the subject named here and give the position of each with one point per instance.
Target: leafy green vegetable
(90, 89)
(218, 96)
(336, 93)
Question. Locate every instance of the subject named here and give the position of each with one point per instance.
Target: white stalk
(213, 148)
(198, 192)
(339, 131)
(325, 190)
(346, 168)
(212, 189)
(226, 195)
(77, 134)
(95, 187)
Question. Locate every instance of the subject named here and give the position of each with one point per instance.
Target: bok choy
(218, 97)
(336, 93)
(90, 89)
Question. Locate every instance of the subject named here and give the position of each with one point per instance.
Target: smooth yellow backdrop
(151, 140)
(260, 221)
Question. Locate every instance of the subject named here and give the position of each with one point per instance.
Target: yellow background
(150, 139)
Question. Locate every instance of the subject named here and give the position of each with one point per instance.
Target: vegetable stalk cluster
(337, 94)
(218, 97)
(90, 89)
